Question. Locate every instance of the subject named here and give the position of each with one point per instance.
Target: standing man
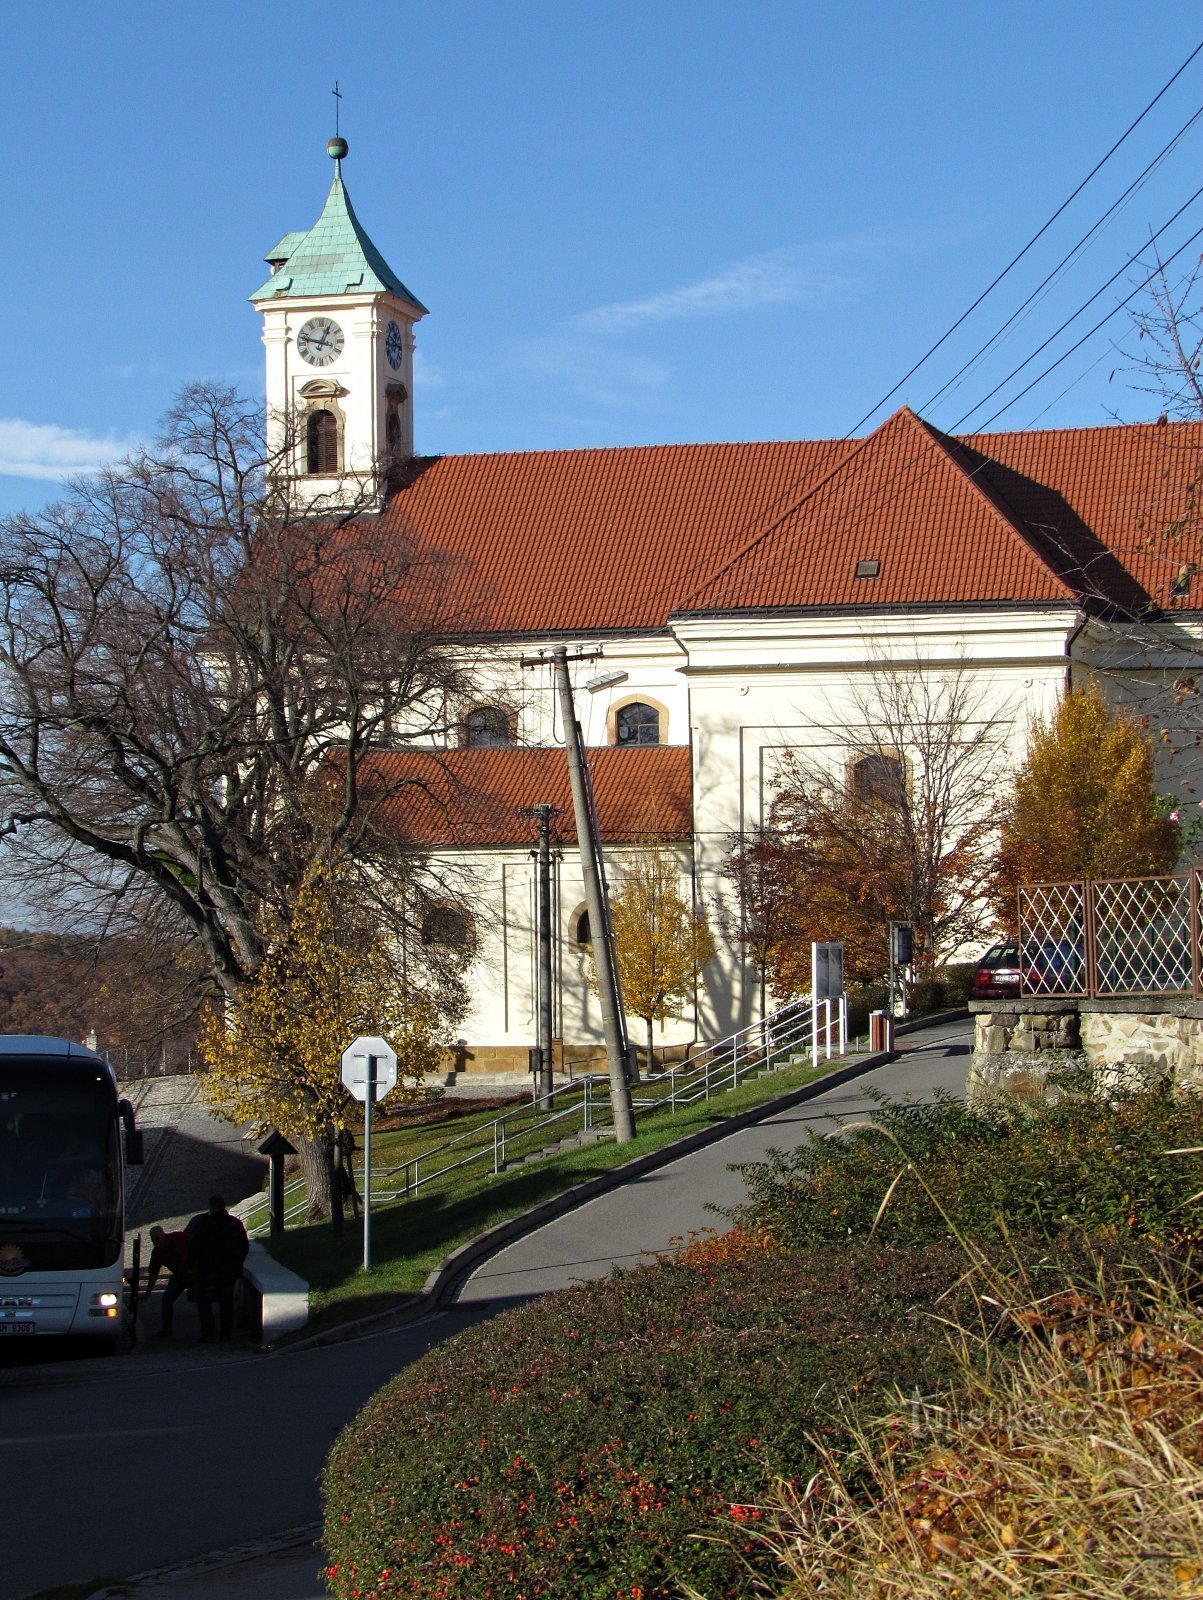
(173, 1251)
(219, 1247)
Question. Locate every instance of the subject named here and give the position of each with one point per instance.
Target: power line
(1089, 334)
(1015, 260)
(1074, 315)
(1064, 262)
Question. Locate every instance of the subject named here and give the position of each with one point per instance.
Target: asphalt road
(113, 1473)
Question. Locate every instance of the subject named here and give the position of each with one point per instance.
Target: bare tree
(759, 871)
(902, 832)
(192, 682)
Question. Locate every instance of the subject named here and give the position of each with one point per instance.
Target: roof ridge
(1013, 523)
(764, 533)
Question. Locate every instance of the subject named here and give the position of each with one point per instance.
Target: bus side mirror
(133, 1136)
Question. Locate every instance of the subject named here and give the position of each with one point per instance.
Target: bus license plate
(17, 1327)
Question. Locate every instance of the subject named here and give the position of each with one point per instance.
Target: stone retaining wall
(1030, 1048)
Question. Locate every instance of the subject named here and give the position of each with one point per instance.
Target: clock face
(393, 346)
(320, 341)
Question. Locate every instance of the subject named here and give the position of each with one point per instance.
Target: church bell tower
(338, 328)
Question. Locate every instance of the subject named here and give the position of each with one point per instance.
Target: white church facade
(723, 604)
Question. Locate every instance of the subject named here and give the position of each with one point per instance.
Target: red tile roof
(583, 541)
(475, 798)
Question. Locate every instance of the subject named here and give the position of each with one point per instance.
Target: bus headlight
(104, 1304)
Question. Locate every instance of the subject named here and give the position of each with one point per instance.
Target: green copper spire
(335, 257)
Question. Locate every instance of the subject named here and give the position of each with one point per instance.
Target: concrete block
(284, 1297)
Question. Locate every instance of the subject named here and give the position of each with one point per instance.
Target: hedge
(1083, 1168)
(597, 1442)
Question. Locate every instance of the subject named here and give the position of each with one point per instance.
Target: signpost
(369, 1072)
(826, 985)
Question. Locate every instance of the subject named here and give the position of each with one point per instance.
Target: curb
(445, 1277)
(307, 1534)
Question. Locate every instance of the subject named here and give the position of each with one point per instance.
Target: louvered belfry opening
(321, 444)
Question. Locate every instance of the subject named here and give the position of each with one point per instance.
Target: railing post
(827, 1027)
(588, 1103)
(672, 1089)
(735, 1061)
(843, 1023)
(814, 1033)
(1196, 976)
(1089, 938)
(496, 1168)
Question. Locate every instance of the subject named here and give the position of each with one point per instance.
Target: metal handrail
(723, 1065)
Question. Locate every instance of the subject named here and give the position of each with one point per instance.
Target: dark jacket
(219, 1247)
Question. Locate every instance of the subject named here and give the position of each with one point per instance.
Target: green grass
(411, 1237)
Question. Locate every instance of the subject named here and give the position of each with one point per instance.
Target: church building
(725, 604)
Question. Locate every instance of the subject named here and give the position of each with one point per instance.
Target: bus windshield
(60, 1164)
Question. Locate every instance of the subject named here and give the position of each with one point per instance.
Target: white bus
(62, 1198)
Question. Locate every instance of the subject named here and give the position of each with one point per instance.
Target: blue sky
(633, 223)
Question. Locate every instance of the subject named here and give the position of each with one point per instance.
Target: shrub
(586, 1445)
(1071, 1466)
(1079, 1167)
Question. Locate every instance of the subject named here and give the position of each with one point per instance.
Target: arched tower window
(581, 932)
(392, 430)
(487, 728)
(321, 444)
(637, 723)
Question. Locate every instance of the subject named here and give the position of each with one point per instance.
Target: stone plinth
(1033, 1049)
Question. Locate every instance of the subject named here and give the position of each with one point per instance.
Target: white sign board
(355, 1067)
(826, 971)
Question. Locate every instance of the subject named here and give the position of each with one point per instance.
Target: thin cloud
(44, 450)
(819, 273)
(599, 373)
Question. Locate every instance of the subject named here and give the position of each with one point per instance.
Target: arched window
(392, 430)
(321, 444)
(580, 930)
(448, 926)
(637, 723)
(878, 777)
(487, 728)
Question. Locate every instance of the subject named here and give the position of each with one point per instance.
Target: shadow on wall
(180, 1173)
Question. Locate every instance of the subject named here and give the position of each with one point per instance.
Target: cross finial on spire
(336, 147)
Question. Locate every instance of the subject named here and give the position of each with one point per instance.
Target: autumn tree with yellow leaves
(662, 942)
(1083, 804)
(273, 1054)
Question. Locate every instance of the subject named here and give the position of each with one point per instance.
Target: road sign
(356, 1058)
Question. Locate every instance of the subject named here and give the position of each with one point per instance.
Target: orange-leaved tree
(898, 830)
(1083, 804)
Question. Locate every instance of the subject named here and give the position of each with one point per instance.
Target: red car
(997, 973)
